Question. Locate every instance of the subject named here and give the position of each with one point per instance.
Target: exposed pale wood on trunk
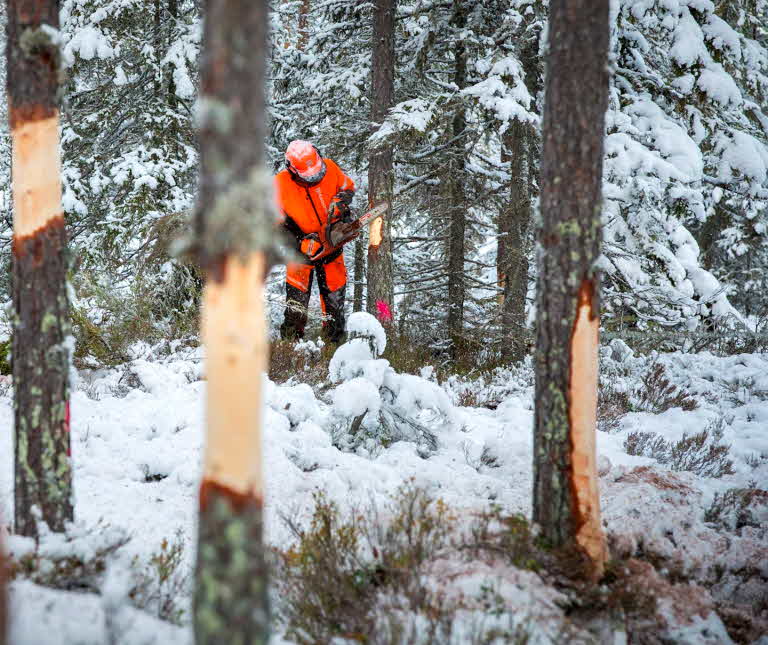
(582, 393)
(376, 233)
(36, 177)
(234, 334)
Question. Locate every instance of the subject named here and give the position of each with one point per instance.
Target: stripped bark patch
(37, 189)
(375, 233)
(234, 334)
(582, 416)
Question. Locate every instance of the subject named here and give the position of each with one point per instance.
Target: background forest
(686, 168)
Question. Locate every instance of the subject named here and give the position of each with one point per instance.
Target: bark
(565, 501)
(512, 248)
(357, 301)
(231, 528)
(43, 469)
(158, 44)
(520, 150)
(457, 202)
(380, 168)
(3, 596)
(234, 232)
(173, 14)
(303, 25)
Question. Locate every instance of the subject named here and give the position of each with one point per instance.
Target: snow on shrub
(296, 402)
(355, 358)
(363, 325)
(373, 405)
(356, 397)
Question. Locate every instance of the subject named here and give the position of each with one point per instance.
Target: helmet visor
(313, 174)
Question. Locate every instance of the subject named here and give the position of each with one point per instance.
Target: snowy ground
(137, 435)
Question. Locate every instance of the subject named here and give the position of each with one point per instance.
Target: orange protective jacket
(304, 210)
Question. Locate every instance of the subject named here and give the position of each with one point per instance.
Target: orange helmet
(304, 162)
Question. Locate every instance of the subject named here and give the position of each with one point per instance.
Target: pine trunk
(173, 15)
(3, 596)
(380, 170)
(565, 496)
(512, 246)
(519, 148)
(357, 299)
(234, 229)
(303, 27)
(43, 468)
(457, 205)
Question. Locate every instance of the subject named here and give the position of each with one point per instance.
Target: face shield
(312, 176)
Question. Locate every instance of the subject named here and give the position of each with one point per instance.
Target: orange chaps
(331, 282)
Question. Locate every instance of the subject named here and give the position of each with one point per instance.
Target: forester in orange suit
(312, 194)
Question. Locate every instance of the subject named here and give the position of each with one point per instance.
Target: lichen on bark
(231, 596)
(240, 219)
(43, 468)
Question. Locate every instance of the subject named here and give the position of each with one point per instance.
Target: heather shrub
(161, 584)
(736, 508)
(380, 562)
(701, 453)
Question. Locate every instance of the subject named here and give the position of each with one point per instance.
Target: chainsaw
(338, 234)
(342, 232)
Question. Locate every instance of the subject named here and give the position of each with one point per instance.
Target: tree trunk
(457, 205)
(565, 496)
(520, 150)
(43, 468)
(3, 596)
(158, 45)
(303, 25)
(512, 247)
(357, 300)
(234, 231)
(173, 15)
(380, 170)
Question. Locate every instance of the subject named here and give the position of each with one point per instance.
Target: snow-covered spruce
(373, 405)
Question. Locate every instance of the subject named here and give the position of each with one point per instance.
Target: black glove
(342, 201)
